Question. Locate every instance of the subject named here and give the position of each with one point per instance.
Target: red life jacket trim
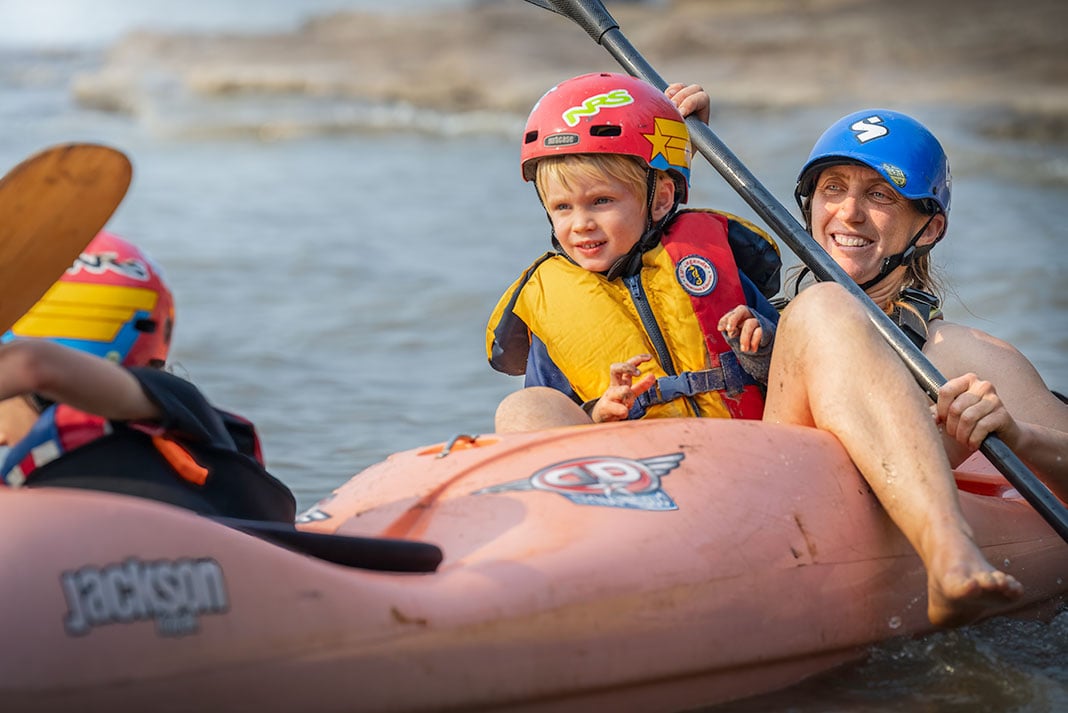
(694, 240)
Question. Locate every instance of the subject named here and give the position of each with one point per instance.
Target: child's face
(597, 220)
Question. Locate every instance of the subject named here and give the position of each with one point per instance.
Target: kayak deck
(658, 565)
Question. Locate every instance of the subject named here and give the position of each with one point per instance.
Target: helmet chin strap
(631, 263)
(910, 253)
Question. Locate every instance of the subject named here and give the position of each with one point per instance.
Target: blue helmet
(896, 146)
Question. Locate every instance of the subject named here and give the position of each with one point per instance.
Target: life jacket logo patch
(697, 275)
(603, 480)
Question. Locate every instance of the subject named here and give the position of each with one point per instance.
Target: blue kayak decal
(607, 481)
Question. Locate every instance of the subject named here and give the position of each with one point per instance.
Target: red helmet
(111, 302)
(609, 113)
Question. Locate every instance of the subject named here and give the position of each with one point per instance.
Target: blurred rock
(501, 56)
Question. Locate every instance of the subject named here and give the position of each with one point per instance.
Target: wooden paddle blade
(51, 206)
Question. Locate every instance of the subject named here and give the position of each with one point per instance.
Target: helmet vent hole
(531, 137)
(145, 325)
(606, 130)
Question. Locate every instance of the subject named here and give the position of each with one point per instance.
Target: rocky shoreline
(1009, 64)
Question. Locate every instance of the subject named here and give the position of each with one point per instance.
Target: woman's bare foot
(964, 590)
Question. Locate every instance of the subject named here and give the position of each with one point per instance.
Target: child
(85, 403)
(610, 157)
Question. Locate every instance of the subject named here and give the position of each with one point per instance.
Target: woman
(875, 194)
(881, 233)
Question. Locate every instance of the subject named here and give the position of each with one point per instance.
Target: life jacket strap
(729, 378)
(183, 462)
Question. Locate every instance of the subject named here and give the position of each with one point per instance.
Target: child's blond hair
(628, 170)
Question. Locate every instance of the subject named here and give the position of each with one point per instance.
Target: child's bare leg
(831, 369)
(537, 407)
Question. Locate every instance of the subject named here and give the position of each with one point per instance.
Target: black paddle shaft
(592, 16)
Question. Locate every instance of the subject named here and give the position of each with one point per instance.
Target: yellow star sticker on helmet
(670, 140)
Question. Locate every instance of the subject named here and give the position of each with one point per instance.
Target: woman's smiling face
(860, 219)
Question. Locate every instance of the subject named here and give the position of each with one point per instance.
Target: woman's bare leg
(832, 370)
(537, 407)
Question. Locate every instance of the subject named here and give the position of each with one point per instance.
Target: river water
(334, 286)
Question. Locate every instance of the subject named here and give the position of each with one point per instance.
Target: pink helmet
(111, 302)
(609, 113)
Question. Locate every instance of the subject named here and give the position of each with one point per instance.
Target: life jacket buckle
(669, 388)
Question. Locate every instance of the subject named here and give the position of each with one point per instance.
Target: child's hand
(690, 99)
(615, 404)
(741, 324)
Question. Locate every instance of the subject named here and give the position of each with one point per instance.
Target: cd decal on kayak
(603, 480)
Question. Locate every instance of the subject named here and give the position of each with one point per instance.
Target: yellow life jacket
(669, 309)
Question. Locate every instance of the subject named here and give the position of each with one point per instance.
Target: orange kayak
(649, 566)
